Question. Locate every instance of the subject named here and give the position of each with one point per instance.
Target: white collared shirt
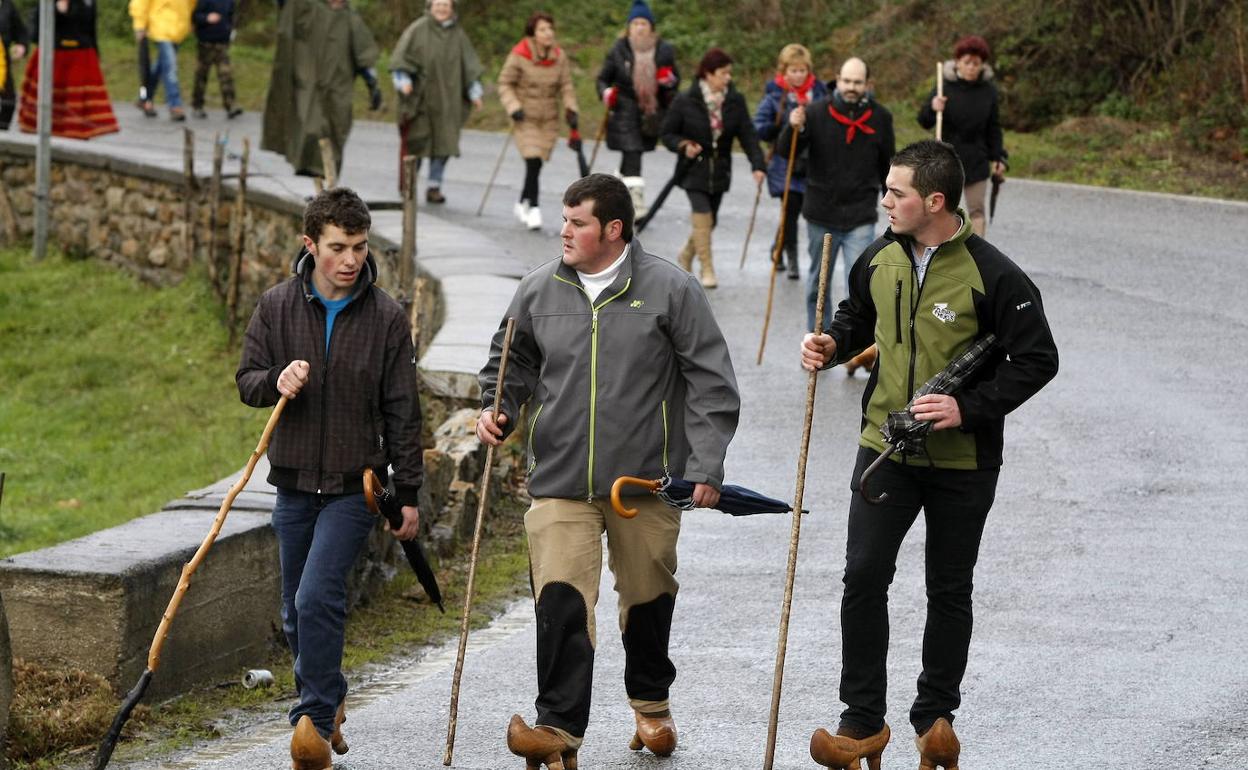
(922, 262)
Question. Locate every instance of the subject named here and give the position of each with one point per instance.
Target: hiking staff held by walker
(776, 263)
(502, 153)
(796, 531)
(453, 718)
(602, 132)
(162, 631)
(940, 92)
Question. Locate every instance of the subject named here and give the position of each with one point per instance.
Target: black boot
(790, 251)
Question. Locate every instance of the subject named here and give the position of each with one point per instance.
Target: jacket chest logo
(943, 313)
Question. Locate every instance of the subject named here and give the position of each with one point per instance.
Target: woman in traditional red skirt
(80, 104)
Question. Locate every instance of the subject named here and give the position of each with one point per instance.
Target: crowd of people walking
(831, 158)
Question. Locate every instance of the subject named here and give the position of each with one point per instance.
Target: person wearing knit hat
(972, 122)
(637, 82)
(700, 127)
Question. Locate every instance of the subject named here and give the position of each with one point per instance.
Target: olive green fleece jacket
(637, 382)
(970, 290)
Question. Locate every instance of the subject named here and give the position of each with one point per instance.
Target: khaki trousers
(973, 195)
(565, 554)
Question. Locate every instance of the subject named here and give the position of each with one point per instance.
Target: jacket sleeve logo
(942, 311)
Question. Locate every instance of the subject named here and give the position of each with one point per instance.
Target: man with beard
(849, 138)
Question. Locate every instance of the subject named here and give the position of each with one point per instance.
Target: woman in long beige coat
(535, 81)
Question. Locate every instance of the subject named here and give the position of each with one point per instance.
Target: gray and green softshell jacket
(637, 382)
(971, 289)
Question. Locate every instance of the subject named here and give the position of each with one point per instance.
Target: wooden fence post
(191, 189)
(214, 204)
(240, 229)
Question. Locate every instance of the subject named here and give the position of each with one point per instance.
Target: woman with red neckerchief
(795, 85)
(536, 80)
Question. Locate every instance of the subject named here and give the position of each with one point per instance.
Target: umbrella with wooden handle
(153, 656)
(795, 532)
(452, 721)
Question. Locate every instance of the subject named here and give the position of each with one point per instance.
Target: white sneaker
(534, 219)
(521, 210)
(637, 190)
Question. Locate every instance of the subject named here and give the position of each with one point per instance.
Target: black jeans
(791, 214)
(955, 505)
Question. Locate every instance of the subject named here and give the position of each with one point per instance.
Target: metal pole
(43, 156)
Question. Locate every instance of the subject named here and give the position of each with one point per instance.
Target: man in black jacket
(16, 38)
(850, 141)
(341, 349)
(214, 26)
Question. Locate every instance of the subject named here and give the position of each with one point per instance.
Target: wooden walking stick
(749, 231)
(602, 131)
(328, 164)
(940, 91)
(502, 153)
(775, 252)
(453, 720)
(153, 656)
(787, 605)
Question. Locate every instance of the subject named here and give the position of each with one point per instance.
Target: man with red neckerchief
(849, 140)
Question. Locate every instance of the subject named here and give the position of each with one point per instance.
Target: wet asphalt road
(1110, 613)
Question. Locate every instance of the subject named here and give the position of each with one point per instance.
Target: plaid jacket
(359, 408)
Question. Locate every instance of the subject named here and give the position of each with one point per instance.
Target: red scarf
(524, 49)
(854, 125)
(802, 92)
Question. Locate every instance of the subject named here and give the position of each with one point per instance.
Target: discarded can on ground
(257, 677)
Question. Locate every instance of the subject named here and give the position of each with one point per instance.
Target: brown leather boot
(656, 732)
(308, 750)
(864, 360)
(685, 259)
(336, 741)
(702, 245)
(846, 752)
(539, 746)
(938, 746)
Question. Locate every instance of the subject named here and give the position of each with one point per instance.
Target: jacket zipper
(663, 411)
(897, 310)
(532, 430)
(593, 376)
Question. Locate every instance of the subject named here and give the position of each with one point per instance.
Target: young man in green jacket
(924, 292)
(625, 372)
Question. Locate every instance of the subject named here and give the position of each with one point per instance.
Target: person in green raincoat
(321, 46)
(438, 78)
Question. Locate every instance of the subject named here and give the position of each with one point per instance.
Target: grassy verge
(114, 398)
(108, 409)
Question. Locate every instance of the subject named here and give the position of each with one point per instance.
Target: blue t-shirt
(332, 308)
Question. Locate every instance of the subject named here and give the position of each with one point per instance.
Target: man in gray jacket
(626, 372)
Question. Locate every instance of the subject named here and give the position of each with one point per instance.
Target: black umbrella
(997, 181)
(678, 493)
(678, 175)
(908, 435)
(574, 141)
(381, 500)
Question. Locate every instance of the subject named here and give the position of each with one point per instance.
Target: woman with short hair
(700, 126)
(972, 122)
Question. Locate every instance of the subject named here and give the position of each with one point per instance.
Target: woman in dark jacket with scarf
(795, 85)
(700, 127)
(637, 82)
(972, 123)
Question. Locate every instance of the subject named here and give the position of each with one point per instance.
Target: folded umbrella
(381, 500)
(678, 493)
(678, 176)
(997, 181)
(578, 146)
(908, 435)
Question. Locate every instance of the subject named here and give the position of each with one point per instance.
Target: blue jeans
(318, 539)
(437, 168)
(165, 70)
(851, 244)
